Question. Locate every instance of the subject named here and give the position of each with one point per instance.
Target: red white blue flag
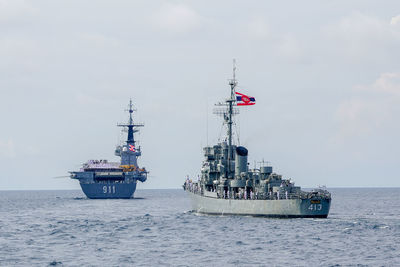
(244, 100)
(132, 148)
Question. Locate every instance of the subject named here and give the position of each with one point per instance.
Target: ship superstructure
(103, 179)
(228, 186)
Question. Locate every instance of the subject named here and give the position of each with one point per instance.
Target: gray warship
(227, 186)
(104, 179)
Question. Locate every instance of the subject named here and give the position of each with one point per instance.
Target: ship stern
(315, 208)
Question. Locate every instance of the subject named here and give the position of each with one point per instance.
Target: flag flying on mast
(244, 100)
(132, 148)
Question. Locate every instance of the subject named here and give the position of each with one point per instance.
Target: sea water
(64, 228)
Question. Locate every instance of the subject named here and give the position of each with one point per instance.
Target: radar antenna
(131, 126)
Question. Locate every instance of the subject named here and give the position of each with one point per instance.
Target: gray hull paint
(284, 208)
(109, 190)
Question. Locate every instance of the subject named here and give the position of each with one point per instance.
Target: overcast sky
(325, 74)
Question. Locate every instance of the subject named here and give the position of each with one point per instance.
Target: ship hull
(108, 190)
(283, 208)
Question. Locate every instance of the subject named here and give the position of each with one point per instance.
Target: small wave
(54, 263)
(122, 228)
(380, 226)
(189, 212)
(224, 228)
(55, 232)
(200, 214)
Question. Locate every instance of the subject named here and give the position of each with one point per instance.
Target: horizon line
(176, 188)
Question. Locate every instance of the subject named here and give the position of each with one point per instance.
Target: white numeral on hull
(109, 189)
(315, 207)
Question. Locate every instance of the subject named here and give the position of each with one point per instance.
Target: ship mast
(130, 140)
(231, 102)
(130, 124)
(227, 112)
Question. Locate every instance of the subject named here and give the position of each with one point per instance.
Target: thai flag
(244, 100)
(132, 148)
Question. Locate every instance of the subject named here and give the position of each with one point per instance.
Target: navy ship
(228, 186)
(104, 179)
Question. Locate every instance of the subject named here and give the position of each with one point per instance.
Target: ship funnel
(240, 160)
(266, 170)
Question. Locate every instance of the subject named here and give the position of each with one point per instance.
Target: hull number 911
(315, 207)
(109, 189)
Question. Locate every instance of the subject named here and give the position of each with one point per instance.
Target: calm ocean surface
(64, 228)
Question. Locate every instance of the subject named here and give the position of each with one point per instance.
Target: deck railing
(196, 189)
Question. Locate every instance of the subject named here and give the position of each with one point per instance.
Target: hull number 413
(315, 207)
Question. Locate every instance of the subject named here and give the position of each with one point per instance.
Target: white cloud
(257, 28)
(290, 48)
(7, 149)
(85, 99)
(177, 18)
(358, 25)
(356, 117)
(395, 20)
(15, 10)
(388, 82)
(372, 108)
(99, 40)
(18, 53)
(286, 45)
(362, 37)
